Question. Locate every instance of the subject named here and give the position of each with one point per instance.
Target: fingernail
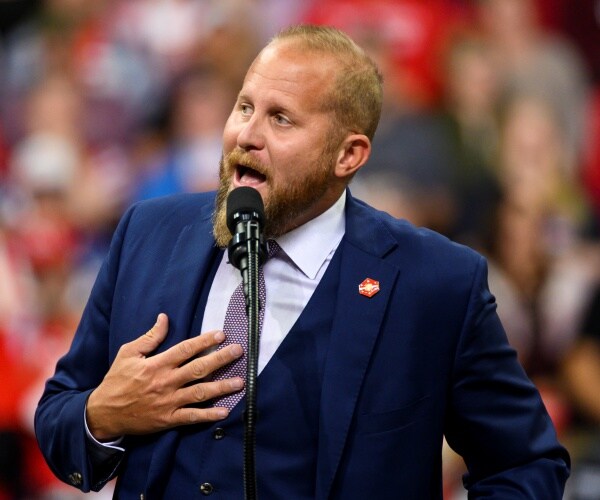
(219, 336)
(222, 412)
(158, 319)
(236, 383)
(236, 350)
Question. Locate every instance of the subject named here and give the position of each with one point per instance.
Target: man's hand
(141, 394)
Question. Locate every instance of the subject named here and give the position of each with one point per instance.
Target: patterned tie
(236, 331)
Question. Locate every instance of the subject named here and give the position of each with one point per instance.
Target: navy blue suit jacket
(426, 357)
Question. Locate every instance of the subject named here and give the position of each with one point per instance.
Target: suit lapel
(189, 264)
(356, 326)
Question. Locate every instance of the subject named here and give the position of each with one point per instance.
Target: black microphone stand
(252, 308)
(248, 248)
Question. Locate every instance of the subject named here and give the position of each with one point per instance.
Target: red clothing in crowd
(414, 31)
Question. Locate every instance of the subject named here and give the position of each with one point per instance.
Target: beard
(284, 204)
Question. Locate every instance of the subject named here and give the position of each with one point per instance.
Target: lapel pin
(368, 287)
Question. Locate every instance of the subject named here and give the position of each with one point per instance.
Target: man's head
(301, 127)
(355, 94)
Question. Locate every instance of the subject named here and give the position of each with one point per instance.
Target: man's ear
(354, 153)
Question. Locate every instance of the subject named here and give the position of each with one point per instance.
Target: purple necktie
(236, 331)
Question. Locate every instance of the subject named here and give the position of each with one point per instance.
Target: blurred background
(490, 135)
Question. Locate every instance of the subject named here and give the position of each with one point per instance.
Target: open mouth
(246, 176)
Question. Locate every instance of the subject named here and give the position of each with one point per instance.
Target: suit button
(219, 433)
(206, 488)
(75, 478)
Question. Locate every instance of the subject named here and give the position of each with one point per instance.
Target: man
(378, 338)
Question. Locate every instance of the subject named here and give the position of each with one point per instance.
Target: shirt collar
(309, 245)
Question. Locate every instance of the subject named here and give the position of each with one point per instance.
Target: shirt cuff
(114, 445)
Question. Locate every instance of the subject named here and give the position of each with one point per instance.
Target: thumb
(150, 341)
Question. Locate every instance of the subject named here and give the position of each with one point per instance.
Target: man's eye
(281, 120)
(246, 109)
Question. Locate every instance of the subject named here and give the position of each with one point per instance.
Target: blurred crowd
(490, 135)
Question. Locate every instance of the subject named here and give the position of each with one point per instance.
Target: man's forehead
(287, 66)
(293, 52)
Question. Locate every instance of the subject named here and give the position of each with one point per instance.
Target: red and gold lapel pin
(368, 287)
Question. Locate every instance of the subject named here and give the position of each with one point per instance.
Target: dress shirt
(291, 277)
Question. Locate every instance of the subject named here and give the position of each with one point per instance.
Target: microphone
(245, 220)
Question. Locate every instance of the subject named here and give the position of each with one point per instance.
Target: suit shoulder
(429, 241)
(437, 263)
(421, 243)
(178, 209)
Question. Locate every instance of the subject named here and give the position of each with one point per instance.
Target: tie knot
(272, 248)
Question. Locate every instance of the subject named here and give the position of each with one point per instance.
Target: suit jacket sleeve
(59, 418)
(497, 421)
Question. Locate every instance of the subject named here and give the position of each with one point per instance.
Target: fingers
(187, 349)
(188, 416)
(149, 342)
(205, 391)
(178, 354)
(200, 392)
(204, 365)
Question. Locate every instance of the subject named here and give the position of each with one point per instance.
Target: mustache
(239, 157)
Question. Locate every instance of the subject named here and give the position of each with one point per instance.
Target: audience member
(197, 109)
(540, 266)
(471, 92)
(531, 59)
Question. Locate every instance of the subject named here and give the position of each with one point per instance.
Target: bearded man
(357, 388)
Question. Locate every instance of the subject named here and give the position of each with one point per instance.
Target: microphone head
(244, 203)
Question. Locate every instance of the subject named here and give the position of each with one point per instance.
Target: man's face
(278, 140)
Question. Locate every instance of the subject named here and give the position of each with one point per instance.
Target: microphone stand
(247, 251)
(247, 248)
(252, 308)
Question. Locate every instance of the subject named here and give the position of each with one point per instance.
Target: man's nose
(251, 135)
